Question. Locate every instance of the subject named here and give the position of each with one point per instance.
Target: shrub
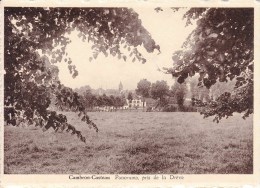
(170, 108)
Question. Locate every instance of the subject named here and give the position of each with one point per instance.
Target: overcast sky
(167, 29)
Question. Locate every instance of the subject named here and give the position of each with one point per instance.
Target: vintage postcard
(130, 93)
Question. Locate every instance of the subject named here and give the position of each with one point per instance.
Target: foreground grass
(133, 143)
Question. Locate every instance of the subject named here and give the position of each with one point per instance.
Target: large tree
(36, 38)
(220, 49)
(143, 88)
(119, 101)
(159, 90)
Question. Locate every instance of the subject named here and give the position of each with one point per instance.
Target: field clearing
(134, 143)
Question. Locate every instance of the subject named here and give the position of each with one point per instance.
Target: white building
(136, 103)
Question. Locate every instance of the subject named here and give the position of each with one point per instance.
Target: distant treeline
(89, 100)
(158, 96)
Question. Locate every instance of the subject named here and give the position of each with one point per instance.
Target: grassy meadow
(134, 143)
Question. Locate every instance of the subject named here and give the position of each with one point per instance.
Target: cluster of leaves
(106, 28)
(219, 49)
(68, 99)
(31, 79)
(201, 92)
(50, 120)
(239, 100)
(32, 102)
(221, 87)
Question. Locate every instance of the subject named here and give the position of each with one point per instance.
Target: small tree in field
(143, 88)
(179, 92)
(130, 96)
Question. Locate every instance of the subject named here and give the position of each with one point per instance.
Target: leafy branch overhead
(31, 80)
(106, 28)
(220, 49)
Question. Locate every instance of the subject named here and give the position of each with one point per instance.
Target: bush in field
(170, 108)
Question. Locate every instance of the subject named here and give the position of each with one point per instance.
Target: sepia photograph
(128, 90)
